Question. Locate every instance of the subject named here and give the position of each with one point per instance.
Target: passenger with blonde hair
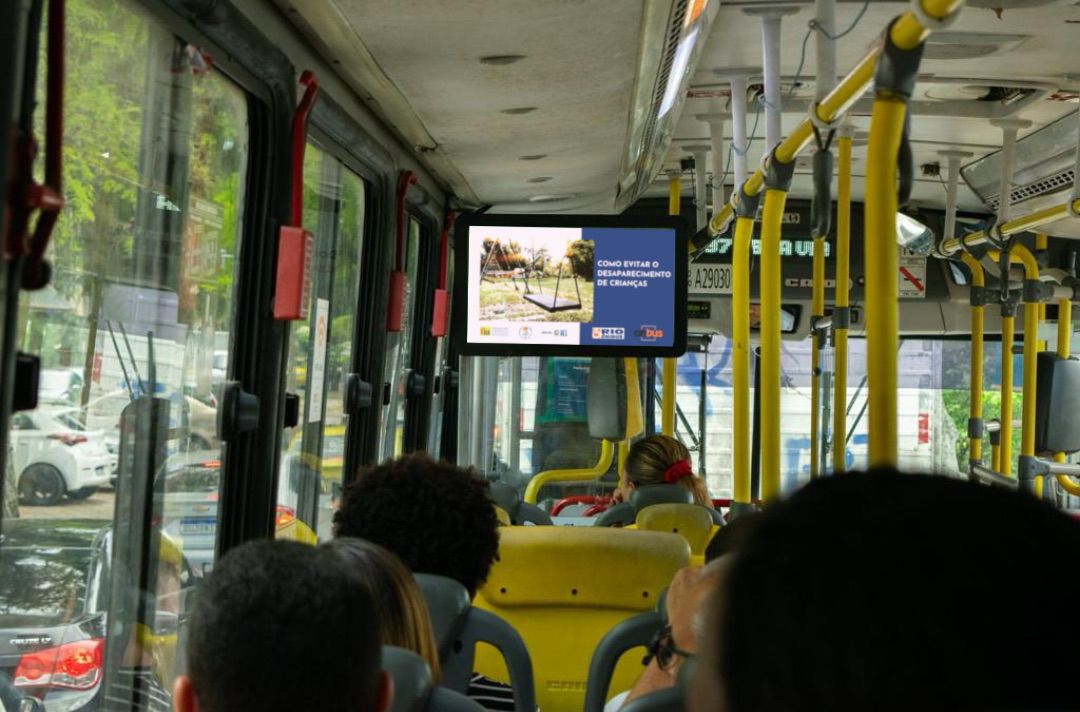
(659, 460)
(403, 619)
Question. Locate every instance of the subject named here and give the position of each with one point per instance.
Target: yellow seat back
(690, 521)
(563, 588)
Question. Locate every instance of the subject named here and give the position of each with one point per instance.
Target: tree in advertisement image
(543, 278)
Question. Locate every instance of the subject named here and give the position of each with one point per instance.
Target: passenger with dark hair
(281, 626)
(728, 538)
(439, 519)
(885, 591)
(661, 460)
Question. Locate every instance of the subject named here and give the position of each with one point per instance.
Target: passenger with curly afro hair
(438, 518)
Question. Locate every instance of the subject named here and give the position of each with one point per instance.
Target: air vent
(969, 45)
(1016, 4)
(1059, 181)
(671, 43)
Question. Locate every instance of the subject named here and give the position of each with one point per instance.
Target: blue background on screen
(636, 310)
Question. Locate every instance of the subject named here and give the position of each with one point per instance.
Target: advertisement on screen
(585, 288)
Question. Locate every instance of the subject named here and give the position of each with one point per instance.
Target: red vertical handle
(299, 144)
(441, 303)
(399, 280)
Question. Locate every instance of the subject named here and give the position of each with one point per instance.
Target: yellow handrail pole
(1022, 255)
(975, 419)
(995, 455)
(1027, 223)
(817, 309)
(740, 348)
(1005, 434)
(882, 320)
(777, 182)
(607, 455)
(667, 368)
(1064, 347)
(1042, 243)
(906, 32)
(841, 311)
(769, 291)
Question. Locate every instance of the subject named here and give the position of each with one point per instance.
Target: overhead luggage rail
(906, 32)
(1027, 223)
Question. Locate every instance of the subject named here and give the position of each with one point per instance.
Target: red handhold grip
(299, 144)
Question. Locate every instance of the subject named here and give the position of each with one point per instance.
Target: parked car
(329, 466)
(53, 596)
(54, 455)
(189, 508)
(60, 386)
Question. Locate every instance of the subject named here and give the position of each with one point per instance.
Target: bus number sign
(710, 279)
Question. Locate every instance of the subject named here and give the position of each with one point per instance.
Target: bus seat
(690, 521)
(625, 513)
(459, 627)
(633, 632)
(614, 412)
(414, 690)
(563, 588)
(503, 516)
(520, 513)
(1057, 404)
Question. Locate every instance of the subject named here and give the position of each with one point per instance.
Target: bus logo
(608, 333)
(649, 333)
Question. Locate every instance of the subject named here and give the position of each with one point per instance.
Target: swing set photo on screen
(548, 278)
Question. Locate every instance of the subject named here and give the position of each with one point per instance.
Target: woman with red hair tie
(658, 460)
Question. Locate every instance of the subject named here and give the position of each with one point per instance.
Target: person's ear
(183, 696)
(384, 693)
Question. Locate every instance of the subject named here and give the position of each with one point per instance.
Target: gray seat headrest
(647, 495)
(605, 401)
(448, 604)
(414, 690)
(1057, 404)
(509, 500)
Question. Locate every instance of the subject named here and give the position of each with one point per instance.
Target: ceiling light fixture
(518, 110)
(532, 157)
(539, 179)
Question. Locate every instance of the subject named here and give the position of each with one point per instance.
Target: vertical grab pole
(841, 310)
(1026, 469)
(977, 299)
(894, 80)
(1004, 434)
(825, 55)
(778, 177)
(745, 210)
(667, 374)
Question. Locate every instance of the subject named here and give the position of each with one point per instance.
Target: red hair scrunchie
(677, 471)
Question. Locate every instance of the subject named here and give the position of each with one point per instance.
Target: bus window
(138, 312)
(320, 351)
(399, 353)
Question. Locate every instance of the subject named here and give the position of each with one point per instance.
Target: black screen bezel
(459, 316)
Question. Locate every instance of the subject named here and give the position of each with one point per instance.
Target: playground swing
(552, 303)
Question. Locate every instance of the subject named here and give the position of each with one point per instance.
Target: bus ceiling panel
(305, 51)
(984, 67)
(1043, 173)
(492, 95)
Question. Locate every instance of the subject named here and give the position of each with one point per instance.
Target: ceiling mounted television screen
(570, 285)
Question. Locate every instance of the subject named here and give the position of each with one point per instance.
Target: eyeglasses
(663, 649)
